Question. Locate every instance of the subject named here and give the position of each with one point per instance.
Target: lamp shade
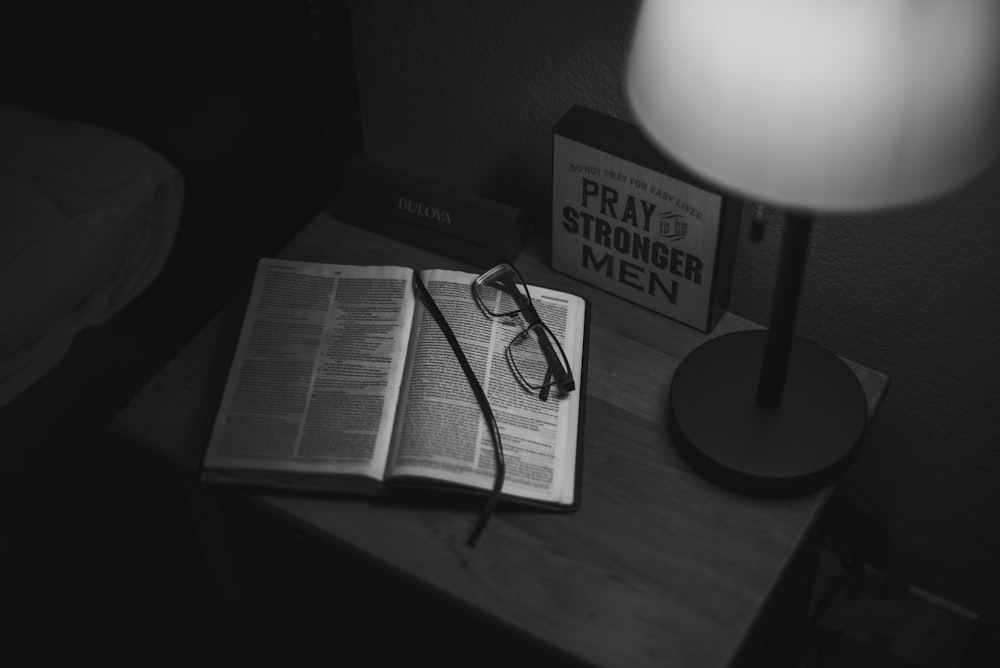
(833, 105)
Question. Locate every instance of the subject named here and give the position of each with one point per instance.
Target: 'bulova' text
(424, 210)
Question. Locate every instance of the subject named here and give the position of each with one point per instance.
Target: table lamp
(811, 106)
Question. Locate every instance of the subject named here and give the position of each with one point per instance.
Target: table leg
(777, 635)
(227, 567)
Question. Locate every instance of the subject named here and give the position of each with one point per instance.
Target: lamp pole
(784, 309)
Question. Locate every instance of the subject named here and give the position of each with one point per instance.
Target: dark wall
(227, 91)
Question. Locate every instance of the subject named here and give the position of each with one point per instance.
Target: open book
(342, 381)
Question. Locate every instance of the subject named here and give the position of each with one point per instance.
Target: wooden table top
(657, 567)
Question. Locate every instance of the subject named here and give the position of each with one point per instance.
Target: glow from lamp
(814, 105)
(821, 104)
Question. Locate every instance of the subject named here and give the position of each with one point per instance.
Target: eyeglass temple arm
(563, 376)
(484, 404)
(543, 394)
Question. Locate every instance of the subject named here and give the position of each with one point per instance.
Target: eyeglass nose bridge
(512, 319)
(525, 318)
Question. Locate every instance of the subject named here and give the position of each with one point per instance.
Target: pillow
(87, 219)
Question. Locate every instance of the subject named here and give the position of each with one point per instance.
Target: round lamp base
(798, 447)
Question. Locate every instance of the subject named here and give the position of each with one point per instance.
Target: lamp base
(802, 445)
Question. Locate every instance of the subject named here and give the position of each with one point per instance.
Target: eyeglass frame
(558, 364)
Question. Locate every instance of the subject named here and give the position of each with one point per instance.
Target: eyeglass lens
(502, 292)
(531, 354)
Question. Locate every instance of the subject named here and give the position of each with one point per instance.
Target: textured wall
(466, 93)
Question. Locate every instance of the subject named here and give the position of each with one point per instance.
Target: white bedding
(87, 219)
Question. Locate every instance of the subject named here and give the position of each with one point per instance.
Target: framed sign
(627, 220)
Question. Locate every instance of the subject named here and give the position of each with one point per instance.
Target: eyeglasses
(534, 354)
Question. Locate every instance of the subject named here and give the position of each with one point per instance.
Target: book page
(441, 431)
(315, 378)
